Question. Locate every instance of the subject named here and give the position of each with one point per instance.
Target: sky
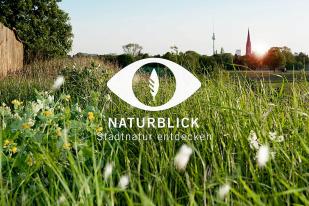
(104, 26)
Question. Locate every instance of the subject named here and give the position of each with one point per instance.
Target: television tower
(213, 38)
(213, 43)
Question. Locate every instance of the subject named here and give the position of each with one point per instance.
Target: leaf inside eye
(154, 84)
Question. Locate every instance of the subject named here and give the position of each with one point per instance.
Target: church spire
(248, 45)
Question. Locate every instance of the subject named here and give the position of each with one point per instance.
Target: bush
(124, 60)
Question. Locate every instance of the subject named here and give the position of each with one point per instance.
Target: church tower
(248, 46)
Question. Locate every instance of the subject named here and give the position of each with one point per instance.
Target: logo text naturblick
(150, 122)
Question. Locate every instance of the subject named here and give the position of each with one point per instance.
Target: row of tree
(277, 58)
(280, 58)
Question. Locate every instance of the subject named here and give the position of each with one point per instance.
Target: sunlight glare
(260, 49)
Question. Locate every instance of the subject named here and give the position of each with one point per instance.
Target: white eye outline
(186, 84)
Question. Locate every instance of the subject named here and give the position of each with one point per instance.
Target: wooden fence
(11, 52)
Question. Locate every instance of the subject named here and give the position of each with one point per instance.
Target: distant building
(238, 52)
(248, 45)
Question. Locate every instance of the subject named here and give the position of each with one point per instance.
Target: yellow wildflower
(59, 132)
(47, 113)
(26, 126)
(99, 129)
(67, 146)
(90, 116)
(14, 150)
(29, 161)
(67, 98)
(16, 103)
(6, 143)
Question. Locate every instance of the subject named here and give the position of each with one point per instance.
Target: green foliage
(81, 83)
(302, 61)
(207, 63)
(124, 60)
(190, 60)
(275, 58)
(25, 90)
(41, 25)
(225, 59)
(170, 56)
(200, 64)
(289, 57)
(82, 75)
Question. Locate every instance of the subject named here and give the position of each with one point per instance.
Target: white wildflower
(50, 99)
(5, 110)
(224, 191)
(16, 116)
(58, 82)
(78, 108)
(61, 199)
(37, 106)
(182, 158)
(253, 140)
(124, 182)
(262, 155)
(108, 98)
(280, 138)
(31, 122)
(108, 170)
(274, 137)
(266, 114)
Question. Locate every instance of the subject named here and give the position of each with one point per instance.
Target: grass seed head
(108, 170)
(263, 155)
(182, 157)
(124, 182)
(224, 191)
(58, 83)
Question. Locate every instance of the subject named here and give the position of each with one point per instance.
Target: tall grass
(39, 76)
(60, 161)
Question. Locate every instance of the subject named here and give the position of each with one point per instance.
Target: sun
(260, 49)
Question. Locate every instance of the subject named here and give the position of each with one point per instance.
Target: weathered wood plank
(11, 52)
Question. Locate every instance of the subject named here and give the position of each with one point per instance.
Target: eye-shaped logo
(186, 84)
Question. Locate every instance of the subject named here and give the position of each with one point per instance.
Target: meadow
(256, 152)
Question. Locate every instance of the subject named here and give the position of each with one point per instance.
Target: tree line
(276, 58)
